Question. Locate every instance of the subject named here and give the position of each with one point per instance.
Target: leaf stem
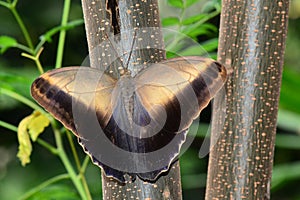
(13, 9)
(36, 59)
(24, 48)
(85, 164)
(86, 187)
(8, 126)
(75, 155)
(62, 34)
(79, 167)
(46, 145)
(4, 4)
(179, 37)
(24, 100)
(66, 162)
(81, 172)
(46, 37)
(43, 185)
(40, 141)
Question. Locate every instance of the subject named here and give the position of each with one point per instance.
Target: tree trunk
(252, 43)
(127, 19)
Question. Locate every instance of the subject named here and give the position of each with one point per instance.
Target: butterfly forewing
(60, 89)
(182, 86)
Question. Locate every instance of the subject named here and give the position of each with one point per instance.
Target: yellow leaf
(25, 147)
(37, 125)
(31, 126)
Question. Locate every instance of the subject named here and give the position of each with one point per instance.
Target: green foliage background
(42, 19)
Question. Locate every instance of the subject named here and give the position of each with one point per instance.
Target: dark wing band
(73, 91)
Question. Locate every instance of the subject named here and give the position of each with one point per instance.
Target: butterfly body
(133, 125)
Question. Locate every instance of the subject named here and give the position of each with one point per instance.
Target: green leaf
(170, 55)
(288, 120)
(61, 192)
(195, 50)
(174, 50)
(201, 29)
(289, 93)
(176, 3)
(25, 147)
(288, 141)
(170, 21)
(188, 3)
(17, 79)
(285, 172)
(210, 6)
(37, 125)
(198, 50)
(193, 19)
(12, 80)
(210, 45)
(7, 42)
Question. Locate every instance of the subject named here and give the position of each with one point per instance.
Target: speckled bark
(252, 42)
(128, 19)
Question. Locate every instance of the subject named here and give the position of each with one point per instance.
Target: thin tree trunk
(252, 42)
(102, 19)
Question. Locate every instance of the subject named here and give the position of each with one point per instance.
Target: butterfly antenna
(131, 49)
(114, 49)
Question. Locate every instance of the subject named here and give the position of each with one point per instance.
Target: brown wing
(166, 99)
(171, 93)
(70, 92)
(182, 87)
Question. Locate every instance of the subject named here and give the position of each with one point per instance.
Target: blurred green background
(17, 73)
